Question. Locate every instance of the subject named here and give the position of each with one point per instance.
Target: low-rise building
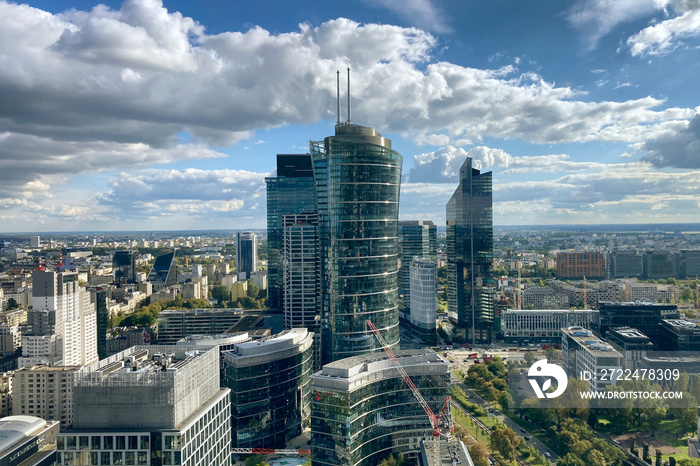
(27, 441)
(173, 325)
(543, 326)
(631, 343)
(587, 357)
(679, 335)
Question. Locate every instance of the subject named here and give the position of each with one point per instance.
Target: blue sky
(150, 115)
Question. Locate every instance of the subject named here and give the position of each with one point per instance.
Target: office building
(357, 177)
(269, 382)
(577, 265)
(362, 409)
(163, 273)
(470, 284)
(679, 335)
(582, 352)
(661, 264)
(290, 192)
(631, 344)
(176, 324)
(543, 326)
(45, 392)
(423, 294)
(154, 403)
(27, 441)
(63, 322)
(101, 298)
(246, 254)
(124, 266)
(690, 264)
(35, 242)
(417, 238)
(301, 281)
(645, 316)
(535, 297)
(10, 339)
(626, 264)
(452, 452)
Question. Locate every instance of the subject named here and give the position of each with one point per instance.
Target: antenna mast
(337, 94)
(349, 95)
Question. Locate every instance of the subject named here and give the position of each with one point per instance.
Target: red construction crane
(434, 420)
(270, 451)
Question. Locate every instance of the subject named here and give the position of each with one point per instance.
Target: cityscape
(363, 234)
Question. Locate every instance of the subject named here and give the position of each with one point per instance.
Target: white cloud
(665, 36)
(421, 13)
(678, 149)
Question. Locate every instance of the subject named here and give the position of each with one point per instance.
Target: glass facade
(290, 192)
(301, 284)
(357, 177)
(417, 238)
(269, 390)
(470, 284)
(246, 254)
(359, 422)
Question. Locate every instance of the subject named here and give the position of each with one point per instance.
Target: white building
(73, 317)
(587, 357)
(423, 286)
(543, 324)
(45, 392)
(35, 241)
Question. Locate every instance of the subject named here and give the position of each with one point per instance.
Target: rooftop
(14, 429)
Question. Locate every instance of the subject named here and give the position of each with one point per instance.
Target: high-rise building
(45, 392)
(163, 272)
(124, 266)
(362, 409)
(35, 241)
(150, 403)
(290, 192)
(470, 284)
(357, 177)
(269, 382)
(63, 317)
(424, 305)
(246, 254)
(301, 274)
(417, 238)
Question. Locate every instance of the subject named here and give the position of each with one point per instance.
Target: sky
(168, 115)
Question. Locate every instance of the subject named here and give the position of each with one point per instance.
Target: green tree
(479, 454)
(253, 290)
(530, 358)
(11, 304)
(570, 460)
(505, 441)
(221, 293)
(256, 460)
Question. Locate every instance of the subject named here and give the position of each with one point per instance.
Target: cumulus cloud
(190, 192)
(662, 38)
(678, 149)
(442, 166)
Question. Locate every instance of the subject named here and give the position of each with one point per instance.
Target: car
(547, 454)
(527, 439)
(523, 430)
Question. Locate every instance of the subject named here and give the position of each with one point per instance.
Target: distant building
(679, 335)
(6, 393)
(46, 392)
(35, 242)
(290, 192)
(577, 265)
(535, 297)
(690, 264)
(582, 352)
(470, 283)
(362, 409)
(173, 325)
(645, 316)
(417, 238)
(423, 294)
(631, 343)
(246, 254)
(661, 264)
(626, 264)
(27, 441)
(163, 273)
(269, 382)
(149, 402)
(124, 266)
(301, 281)
(10, 339)
(543, 326)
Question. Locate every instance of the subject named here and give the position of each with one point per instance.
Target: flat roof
(14, 429)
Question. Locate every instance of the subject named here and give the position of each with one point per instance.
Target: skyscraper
(470, 254)
(417, 238)
(290, 192)
(246, 254)
(163, 273)
(124, 266)
(357, 177)
(301, 275)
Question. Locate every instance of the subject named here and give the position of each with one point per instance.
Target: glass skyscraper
(470, 283)
(290, 192)
(417, 238)
(357, 177)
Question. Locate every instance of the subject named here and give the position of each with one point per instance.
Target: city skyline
(143, 114)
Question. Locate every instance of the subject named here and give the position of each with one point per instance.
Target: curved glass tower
(357, 177)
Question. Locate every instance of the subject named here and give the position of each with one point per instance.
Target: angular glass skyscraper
(290, 192)
(357, 177)
(470, 281)
(417, 238)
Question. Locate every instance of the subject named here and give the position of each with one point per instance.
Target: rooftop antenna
(338, 95)
(348, 95)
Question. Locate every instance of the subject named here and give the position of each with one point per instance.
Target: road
(541, 447)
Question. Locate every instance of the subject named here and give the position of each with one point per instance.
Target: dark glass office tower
(163, 273)
(357, 177)
(124, 266)
(290, 192)
(246, 254)
(470, 282)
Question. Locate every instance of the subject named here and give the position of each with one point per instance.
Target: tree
(570, 460)
(252, 290)
(530, 358)
(479, 454)
(221, 293)
(256, 460)
(11, 304)
(505, 441)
